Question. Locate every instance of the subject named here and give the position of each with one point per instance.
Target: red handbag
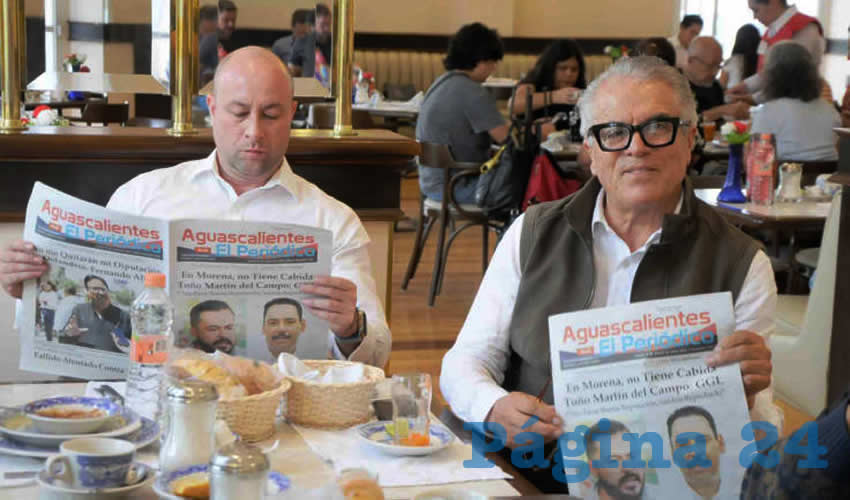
(545, 183)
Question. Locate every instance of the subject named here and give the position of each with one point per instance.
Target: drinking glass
(411, 396)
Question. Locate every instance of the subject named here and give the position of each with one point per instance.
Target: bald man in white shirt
(247, 177)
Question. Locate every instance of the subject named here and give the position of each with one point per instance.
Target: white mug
(93, 463)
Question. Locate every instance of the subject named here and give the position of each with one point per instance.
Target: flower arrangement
(74, 62)
(616, 52)
(735, 132)
(44, 116)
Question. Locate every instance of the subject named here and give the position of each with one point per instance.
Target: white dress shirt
(681, 51)
(195, 189)
(474, 368)
(809, 37)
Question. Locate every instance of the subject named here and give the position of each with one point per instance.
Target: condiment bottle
(238, 470)
(190, 421)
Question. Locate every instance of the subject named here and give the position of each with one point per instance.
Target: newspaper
(234, 285)
(641, 367)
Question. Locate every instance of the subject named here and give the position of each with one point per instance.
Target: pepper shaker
(190, 421)
(238, 470)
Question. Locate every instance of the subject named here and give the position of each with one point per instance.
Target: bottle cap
(239, 458)
(156, 280)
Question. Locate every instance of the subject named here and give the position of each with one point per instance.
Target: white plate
(147, 433)
(18, 426)
(376, 436)
(276, 482)
(60, 488)
(66, 426)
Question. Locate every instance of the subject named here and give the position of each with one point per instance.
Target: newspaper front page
(234, 285)
(638, 371)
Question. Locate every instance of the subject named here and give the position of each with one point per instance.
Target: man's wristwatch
(361, 330)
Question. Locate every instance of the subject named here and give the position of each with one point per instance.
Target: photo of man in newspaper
(98, 323)
(212, 324)
(620, 483)
(283, 324)
(720, 479)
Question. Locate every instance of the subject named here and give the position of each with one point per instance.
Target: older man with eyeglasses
(705, 57)
(636, 231)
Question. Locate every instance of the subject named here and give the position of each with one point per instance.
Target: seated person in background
(689, 29)
(247, 177)
(630, 234)
(208, 46)
(791, 480)
(302, 25)
(98, 323)
(554, 83)
(208, 20)
(459, 112)
(744, 60)
(311, 54)
(656, 46)
(792, 112)
(704, 58)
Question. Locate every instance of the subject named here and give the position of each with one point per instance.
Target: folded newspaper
(638, 371)
(234, 285)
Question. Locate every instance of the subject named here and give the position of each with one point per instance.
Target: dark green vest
(699, 252)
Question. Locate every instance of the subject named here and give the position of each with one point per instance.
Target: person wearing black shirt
(704, 59)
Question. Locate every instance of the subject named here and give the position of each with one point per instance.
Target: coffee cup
(94, 463)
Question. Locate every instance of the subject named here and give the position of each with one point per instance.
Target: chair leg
(438, 257)
(418, 245)
(485, 247)
(451, 240)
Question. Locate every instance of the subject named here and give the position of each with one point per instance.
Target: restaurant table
(567, 152)
(778, 219)
(292, 458)
(715, 151)
(391, 109)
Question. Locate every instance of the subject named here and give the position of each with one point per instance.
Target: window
(723, 17)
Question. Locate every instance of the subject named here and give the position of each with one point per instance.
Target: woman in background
(801, 122)
(744, 60)
(554, 83)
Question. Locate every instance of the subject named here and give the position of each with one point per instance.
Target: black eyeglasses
(656, 133)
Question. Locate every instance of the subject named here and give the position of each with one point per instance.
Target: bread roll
(228, 386)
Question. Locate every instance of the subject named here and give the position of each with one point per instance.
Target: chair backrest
(323, 115)
(435, 155)
(105, 113)
(399, 91)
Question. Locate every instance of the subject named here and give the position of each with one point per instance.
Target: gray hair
(646, 68)
(790, 71)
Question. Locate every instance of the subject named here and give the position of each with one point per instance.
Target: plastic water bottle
(151, 316)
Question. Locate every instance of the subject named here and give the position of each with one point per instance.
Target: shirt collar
(600, 223)
(780, 21)
(284, 177)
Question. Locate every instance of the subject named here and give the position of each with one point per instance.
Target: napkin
(345, 450)
(290, 366)
(417, 99)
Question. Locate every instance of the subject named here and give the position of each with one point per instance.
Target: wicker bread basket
(253, 418)
(313, 404)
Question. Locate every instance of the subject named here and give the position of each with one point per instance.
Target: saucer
(146, 433)
(59, 487)
(18, 426)
(375, 435)
(276, 482)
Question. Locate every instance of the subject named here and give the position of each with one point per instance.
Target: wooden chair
(105, 113)
(447, 212)
(322, 116)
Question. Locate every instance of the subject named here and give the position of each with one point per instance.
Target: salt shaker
(238, 470)
(790, 175)
(190, 421)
